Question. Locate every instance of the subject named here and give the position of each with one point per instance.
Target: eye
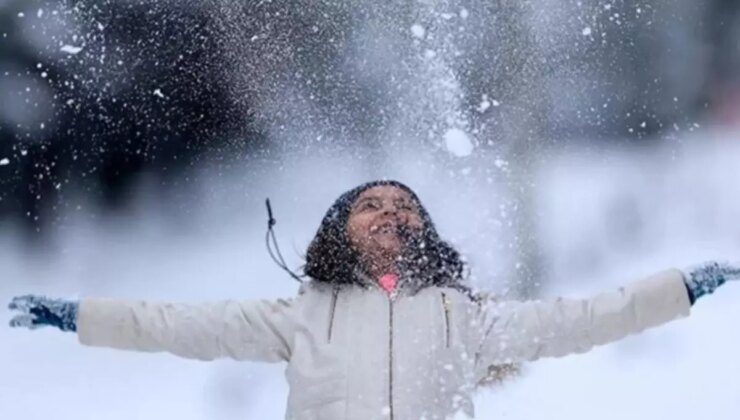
(406, 205)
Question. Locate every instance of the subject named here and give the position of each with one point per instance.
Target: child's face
(377, 219)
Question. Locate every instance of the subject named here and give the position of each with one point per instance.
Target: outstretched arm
(257, 330)
(526, 331)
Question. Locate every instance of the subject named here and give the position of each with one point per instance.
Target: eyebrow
(403, 200)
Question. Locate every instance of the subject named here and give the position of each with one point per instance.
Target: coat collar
(366, 281)
(406, 285)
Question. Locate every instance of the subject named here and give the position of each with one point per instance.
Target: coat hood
(330, 258)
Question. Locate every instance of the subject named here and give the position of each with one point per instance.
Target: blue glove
(39, 311)
(705, 279)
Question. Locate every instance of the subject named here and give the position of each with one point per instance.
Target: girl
(386, 327)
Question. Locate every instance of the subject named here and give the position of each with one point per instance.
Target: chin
(390, 247)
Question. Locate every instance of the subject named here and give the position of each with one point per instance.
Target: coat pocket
(317, 398)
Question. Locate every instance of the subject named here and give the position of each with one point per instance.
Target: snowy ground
(608, 216)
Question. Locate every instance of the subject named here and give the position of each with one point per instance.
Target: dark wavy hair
(428, 260)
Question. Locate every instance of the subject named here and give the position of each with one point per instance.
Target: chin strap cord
(271, 241)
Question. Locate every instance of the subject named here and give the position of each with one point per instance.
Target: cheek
(357, 230)
(415, 222)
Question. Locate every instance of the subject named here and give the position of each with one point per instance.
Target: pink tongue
(388, 282)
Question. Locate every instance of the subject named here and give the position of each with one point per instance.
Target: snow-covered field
(605, 217)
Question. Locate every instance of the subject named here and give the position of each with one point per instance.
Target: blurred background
(565, 147)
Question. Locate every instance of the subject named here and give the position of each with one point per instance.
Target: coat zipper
(334, 295)
(446, 306)
(390, 356)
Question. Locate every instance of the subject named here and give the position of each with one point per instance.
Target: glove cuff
(69, 316)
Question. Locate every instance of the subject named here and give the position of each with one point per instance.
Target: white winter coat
(354, 353)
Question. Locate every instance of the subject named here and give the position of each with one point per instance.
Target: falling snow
(418, 31)
(427, 76)
(458, 142)
(70, 49)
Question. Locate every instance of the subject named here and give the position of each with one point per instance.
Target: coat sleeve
(257, 330)
(525, 331)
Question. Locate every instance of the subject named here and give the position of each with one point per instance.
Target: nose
(390, 209)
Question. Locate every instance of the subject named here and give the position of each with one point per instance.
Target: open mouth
(385, 228)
